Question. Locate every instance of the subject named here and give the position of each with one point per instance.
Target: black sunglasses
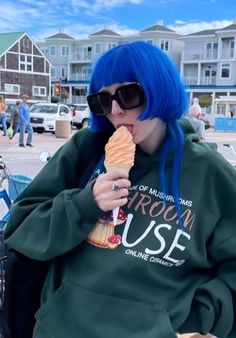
(128, 96)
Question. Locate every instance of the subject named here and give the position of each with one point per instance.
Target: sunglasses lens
(130, 96)
(99, 103)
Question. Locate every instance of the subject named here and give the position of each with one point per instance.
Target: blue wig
(165, 95)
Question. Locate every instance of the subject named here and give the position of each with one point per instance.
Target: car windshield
(43, 109)
(10, 107)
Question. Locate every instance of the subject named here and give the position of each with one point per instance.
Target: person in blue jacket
(24, 122)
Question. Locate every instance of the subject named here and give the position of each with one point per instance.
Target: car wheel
(84, 123)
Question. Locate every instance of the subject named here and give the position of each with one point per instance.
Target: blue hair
(165, 95)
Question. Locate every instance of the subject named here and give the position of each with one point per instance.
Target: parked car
(10, 107)
(80, 115)
(43, 116)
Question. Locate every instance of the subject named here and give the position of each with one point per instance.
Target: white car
(43, 116)
(80, 114)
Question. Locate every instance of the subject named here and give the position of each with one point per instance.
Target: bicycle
(3, 195)
(14, 189)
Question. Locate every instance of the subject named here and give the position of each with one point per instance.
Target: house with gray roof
(24, 69)
(72, 58)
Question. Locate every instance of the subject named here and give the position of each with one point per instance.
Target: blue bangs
(112, 67)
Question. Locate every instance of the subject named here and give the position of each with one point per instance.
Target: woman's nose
(116, 109)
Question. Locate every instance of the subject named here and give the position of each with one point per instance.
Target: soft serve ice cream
(120, 150)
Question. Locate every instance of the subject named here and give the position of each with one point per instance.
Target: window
(225, 70)
(150, 41)
(53, 72)
(52, 50)
(26, 43)
(98, 48)
(165, 45)
(111, 45)
(212, 50)
(65, 50)
(63, 71)
(26, 62)
(11, 89)
(39, 91)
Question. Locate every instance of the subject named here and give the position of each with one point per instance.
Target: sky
(79, 18)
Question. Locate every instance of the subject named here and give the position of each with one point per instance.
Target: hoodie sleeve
(49, 218)
(213, 307)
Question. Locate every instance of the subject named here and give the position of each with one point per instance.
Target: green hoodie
(145, 277)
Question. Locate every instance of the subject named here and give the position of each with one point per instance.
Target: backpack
(24, 279)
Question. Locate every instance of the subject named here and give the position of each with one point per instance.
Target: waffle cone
(100, 234)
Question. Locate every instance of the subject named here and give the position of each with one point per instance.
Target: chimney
(159, 22)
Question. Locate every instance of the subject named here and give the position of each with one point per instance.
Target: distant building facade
(72, 58)
(208, 66)
(24, 69)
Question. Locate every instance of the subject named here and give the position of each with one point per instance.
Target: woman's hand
(106, 198)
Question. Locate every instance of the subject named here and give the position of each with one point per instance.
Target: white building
(208, 64)
(72, 58)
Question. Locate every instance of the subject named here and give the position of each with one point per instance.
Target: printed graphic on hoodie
(154, 204)
(103, 234)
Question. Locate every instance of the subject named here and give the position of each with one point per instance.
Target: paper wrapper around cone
(124, 169)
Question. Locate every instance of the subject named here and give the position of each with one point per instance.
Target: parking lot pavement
(9, 148)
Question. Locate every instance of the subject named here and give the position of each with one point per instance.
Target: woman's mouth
(130, 127)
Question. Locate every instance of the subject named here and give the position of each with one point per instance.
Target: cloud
(183, 28)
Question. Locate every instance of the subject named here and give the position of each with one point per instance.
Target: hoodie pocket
(76, 312)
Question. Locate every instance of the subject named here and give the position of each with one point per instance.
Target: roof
(8, 39)
(230, 27)
(213, 31)
(106, 32)
(204, 32)
(159, 28)
(60, 36)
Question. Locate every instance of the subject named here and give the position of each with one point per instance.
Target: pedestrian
(14, 118)
(169, 265)
(194, 117)
(3, 116)
(24, 122)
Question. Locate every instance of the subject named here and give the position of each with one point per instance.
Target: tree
(205, 100)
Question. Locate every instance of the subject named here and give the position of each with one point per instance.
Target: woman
(3, 117)
(14, 119)
(174, 268)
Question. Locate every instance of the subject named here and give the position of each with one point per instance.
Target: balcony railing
(79, 99)
(197, 55)
(207, 54)
(78, 77)
(227, 53)
(204, 81)
(190, 81)
(81, 56)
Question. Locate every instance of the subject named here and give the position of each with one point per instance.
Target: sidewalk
(48, 141)
(211, 134)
